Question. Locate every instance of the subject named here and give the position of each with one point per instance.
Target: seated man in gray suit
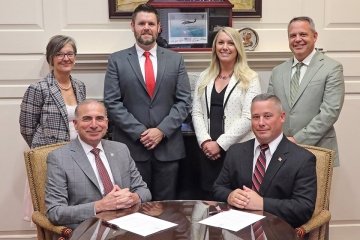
(270, 172)
(90, 175)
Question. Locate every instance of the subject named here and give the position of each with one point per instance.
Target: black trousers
(209, 171)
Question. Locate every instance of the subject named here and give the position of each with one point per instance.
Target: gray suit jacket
(318, 102)
(132, 111)
(72, 187)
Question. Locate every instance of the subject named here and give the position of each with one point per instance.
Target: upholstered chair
(35, 161)
(318, 226)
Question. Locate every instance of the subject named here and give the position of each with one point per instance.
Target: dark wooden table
(186, 214)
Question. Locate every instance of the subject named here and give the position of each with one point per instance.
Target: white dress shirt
(304, 67)
(153, 58)
(87, 148)
(268, 153)
(71, 116)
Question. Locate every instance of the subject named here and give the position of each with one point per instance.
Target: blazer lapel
(287, 79)
(79, 156)
(161, 66)
(230, 86)
(314, 66)
(58, 99)
(135, 65)
(208, 90)
(247, 164)
(76, 91)
(277, 160)
(113, 162)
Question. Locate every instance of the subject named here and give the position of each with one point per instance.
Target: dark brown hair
(145, 8)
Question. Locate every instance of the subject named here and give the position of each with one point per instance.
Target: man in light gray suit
(314, 105)
(149, 122)
(75, 188)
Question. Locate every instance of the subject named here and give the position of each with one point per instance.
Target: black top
(217, 113)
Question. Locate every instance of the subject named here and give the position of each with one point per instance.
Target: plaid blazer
(43, 116)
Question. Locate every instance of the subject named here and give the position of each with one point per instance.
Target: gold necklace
(64, 88)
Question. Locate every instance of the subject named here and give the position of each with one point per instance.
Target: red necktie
(260, 166)
(104, 176)
(149, 74)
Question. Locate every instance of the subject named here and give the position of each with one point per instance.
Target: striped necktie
(258, 230)
(260, 166)
(104, 175)
(294, 84)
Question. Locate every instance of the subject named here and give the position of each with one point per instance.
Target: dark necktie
(294, 84)
(259, 233)
(260, 166)
(104, 176)
(149, 74)
(101, 231)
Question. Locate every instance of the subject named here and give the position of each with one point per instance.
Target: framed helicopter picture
(188, 28)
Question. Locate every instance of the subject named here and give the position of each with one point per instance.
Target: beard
(146, 42)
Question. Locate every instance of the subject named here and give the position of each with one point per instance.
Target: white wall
(26, 26)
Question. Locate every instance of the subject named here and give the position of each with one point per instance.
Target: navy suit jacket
(289, 185)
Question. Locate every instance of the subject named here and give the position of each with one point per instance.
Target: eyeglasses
(61, 55)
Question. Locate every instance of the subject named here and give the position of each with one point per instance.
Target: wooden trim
(194, 61)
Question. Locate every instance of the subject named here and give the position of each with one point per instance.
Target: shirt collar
(272, 145)
(306, 61)
(87, 148)
(140, 51)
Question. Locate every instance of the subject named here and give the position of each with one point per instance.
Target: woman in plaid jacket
(48, 106)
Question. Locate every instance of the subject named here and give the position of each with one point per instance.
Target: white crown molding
(194, 61)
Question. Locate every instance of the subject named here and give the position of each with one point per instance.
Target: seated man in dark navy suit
(269, 172)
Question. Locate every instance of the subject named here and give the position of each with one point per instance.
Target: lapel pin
(279, 159)
(111, 154)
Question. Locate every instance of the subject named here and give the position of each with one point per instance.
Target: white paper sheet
(232, 220)
(141, 224)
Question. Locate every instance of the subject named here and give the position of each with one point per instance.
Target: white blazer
(237, 116)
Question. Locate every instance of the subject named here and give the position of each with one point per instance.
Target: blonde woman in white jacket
(221, 104)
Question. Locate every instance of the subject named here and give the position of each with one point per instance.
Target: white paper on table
(232, 220)
(141, 224)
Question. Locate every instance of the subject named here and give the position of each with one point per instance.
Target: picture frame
(123, 8)
(246, 8)
(187, 28)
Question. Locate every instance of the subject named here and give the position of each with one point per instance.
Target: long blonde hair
(242, 72)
